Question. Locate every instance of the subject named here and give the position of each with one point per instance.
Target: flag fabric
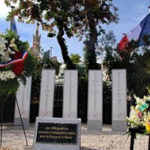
(13, 25)
(136, 34)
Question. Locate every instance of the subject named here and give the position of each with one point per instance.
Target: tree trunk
(91, 43)
(64, 51)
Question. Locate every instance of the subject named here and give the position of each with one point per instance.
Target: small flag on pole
(13, 25)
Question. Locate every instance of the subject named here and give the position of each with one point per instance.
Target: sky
(131, 12)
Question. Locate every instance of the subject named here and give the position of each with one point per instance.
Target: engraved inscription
(119, 95)
(57, 133)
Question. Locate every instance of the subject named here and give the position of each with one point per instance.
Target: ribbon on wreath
(24, 55)
(143, 107)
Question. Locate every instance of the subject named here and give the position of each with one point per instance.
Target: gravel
(13, 139)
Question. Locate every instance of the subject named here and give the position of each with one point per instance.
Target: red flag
(123, 43)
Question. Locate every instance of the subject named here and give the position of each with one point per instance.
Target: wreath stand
(2, 124)
(133, 136)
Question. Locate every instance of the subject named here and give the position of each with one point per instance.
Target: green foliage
(30, 67)
(51, 64)
(75, 58)
(83, 18)
(8, 87)
(9, 35)
(137, 66)
(95, 14)
(45, 63)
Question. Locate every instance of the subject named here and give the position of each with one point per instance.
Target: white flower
(134, 119)
(139, 101)
(137, 116)
(5, 57)
(12, 45)
(5, 75)
(2, 46)
(10, 75)
(6, 51)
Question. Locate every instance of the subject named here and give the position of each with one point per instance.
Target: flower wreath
(139, 117)
(16, 62)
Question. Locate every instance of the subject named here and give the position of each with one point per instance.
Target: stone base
(119, 125)
(94, 125)
(55, 147)
(28, 148)
(54, 144)
(17, 121)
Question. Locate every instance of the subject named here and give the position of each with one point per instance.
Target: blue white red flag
(13, 25)
(136, 34)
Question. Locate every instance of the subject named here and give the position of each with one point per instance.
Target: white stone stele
(51, 146)
(95, 100)
(23, 98)
(47, 93)
(70, 94)
(119, 101)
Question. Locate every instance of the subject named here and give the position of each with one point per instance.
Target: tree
(75, 58)
(94, 13)
(80, 17)
(51, 14)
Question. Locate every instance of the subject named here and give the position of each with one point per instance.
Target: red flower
(18, 55)
(140, 115)
(18, 68)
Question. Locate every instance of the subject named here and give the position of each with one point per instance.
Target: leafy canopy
(71, 15)
(75, 58)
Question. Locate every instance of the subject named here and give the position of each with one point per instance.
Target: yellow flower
(147, 117)
(147, 125)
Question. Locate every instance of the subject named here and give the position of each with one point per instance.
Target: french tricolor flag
(136, 34)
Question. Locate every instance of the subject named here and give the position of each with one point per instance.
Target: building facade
(36, 48)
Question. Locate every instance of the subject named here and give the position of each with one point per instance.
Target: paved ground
(107, 140)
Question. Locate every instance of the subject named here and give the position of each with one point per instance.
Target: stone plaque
(57, 134)
(23, 98)
(95, 100)
(47, 93)
(119, 101)
(70, 94)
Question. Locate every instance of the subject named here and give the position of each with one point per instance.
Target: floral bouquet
(139, 117)
(16, 62)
